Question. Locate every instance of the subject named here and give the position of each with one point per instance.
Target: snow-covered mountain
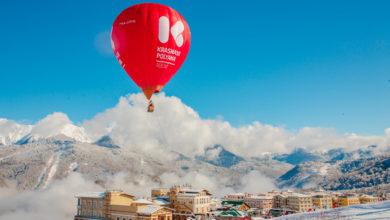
(298, 156)
(34, 164)
(219, 156)
(37, 159)
(34, 155)
(340, 174)
(53, 125)
(11, 132)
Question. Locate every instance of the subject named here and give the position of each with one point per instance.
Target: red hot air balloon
(151, 42)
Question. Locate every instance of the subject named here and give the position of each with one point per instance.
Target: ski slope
(380, 210)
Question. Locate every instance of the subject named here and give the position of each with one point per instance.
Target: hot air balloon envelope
(151, 42)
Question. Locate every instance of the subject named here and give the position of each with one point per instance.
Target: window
(84, 212)
(95, 204)
(89, 203)
(89, 213)
(118, 218)
(123, 218)
(84, 202)
(100, 204)
(100, 214)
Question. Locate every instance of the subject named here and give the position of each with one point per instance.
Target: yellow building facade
(189, 202)
(116, 205)
(368, 199)
(347, 200)
(299, 202)
(159, 192)
(322, 201)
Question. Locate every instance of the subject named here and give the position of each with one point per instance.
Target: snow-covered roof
(161, 201)
(150, 209)
(283, 196)
(259, 197)
(186, 194)
(236, 194)
(232, 212)
(96, 195)
(142, 201)
(298, 195)
(192, 190)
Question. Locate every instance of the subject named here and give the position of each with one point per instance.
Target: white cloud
(177, 127)
(321, 139)
(102, 43)
(11, 131)
(55, 202)
(58, 123)
(255, 182)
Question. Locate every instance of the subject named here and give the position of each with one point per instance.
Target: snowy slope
(36, 164)
(10, 131)
(339, 175)
(51, 126)
(380, 210)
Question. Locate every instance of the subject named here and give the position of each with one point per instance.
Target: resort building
(239, 197)
(279, 201)
(322, 201)
(232, 214)
(116, 205)
(189, 202)
(347, 200)
(240, 206)
(368, 199)
(161, 192)
(259, 202)
(231, 210)
(299, 202)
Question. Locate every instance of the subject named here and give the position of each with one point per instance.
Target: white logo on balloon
(176, 31)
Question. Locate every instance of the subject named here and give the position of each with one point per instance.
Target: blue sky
(291, 63)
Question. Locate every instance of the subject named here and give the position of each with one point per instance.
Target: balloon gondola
(151, 106)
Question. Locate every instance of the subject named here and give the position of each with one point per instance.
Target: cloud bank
(55, 202)
(177, 127)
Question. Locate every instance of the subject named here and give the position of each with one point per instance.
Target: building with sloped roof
(347, 200)
(299, 202)
(240, 206)
(117, 205)
(259, 202)
(236, 197)
(322, 201)
(231, 214)
(367, 199)
(189, 202)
